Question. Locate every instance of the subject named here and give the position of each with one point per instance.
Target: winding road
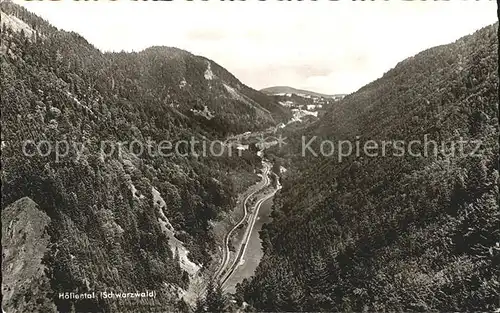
(244, 244)
(225, 271)
(226, 251)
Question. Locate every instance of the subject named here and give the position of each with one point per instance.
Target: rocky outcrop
(24, 243)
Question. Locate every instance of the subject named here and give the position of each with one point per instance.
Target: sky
(324, 46)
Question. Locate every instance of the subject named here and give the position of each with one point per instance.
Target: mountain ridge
(386, 232)
(129, 219)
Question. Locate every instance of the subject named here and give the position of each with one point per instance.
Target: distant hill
(286, 89)
(192, 84)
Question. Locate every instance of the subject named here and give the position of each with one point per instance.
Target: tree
(215, 300)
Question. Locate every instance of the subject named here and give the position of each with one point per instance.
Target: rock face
(24, 243)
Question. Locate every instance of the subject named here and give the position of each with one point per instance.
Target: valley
(265, 227)
(225, 268)
(240, 235)
(131, 220)
(250, 233)
(250, 249)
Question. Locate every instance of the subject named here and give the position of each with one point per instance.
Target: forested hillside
(193, 86)
(394, 233)
(113, 217)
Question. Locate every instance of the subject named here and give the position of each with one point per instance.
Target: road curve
(244, 244)
(226, 252)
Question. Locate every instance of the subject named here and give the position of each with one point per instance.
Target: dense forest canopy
(108, 211)
(394, 233)
(381, 233)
